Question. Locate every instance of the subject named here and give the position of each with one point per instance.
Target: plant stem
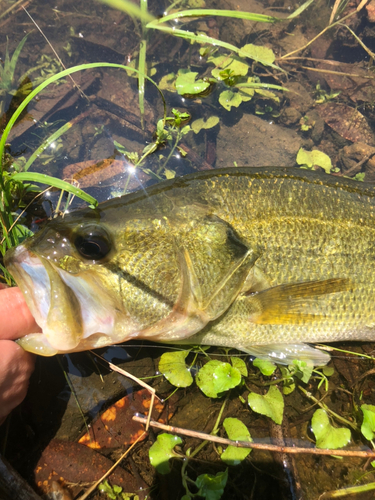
(328, 410)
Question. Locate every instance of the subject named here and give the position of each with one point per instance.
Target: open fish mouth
(32, 278)
(70, 309)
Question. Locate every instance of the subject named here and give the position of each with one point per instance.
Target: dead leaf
(115, 426)
(347, 122)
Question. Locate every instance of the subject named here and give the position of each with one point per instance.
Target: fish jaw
(32, 278)
(71, 311)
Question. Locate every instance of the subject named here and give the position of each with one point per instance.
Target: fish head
(156, 267)
(66, 274)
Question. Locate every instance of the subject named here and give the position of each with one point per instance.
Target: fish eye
(92, 242)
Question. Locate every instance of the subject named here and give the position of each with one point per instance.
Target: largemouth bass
(258, 259)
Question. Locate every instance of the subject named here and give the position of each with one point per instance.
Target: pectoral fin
(292, 304)
(285, 354)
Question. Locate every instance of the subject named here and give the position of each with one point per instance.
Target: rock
(315, 125)
(351, 159)
(290, 116)
(256, 142)
(299, 98)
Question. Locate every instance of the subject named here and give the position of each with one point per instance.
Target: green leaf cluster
(115, 492)
(7, 70)
(232, 70)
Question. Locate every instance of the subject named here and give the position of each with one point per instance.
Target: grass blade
(142, 68)
(201, 38)
(57, 183)
(258, 18)
(265, 86)
(300, 9)
(16, 54)
(45, 144)
(130, 8)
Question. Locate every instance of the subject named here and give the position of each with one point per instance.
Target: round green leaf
(368, 424)
(216, 377)
(266, 367)
(328, 371)
(237, 431)
(246, 93)
(228, 99)
(186, 83)
(201, 123)
(172, 366)
(262, 54)
(301, 369)
(326, 435)
(232, 63)
(271, 405)
(162, 450)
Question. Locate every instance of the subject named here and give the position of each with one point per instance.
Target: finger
(16, 319)
(16, 366)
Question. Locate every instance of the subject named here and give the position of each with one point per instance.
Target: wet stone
(256, 142)
(290, 116)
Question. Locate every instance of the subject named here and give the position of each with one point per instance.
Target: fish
(264, 260)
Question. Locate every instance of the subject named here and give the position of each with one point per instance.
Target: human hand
(16, 365)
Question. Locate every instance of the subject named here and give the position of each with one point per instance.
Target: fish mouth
(69, 308)
(32, 278)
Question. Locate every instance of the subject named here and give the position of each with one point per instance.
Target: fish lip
(32, 279)
(33, 274)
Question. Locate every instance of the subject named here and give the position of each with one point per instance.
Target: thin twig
(94, 486)
(364, 375)
(256, 446)
(358, 165)
(140, 382)
(360, 6)
(137, 380)
(333, 72)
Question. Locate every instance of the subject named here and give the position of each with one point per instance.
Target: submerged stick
(13, 485)
(256, 446)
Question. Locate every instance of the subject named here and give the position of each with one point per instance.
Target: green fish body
(259, 259)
